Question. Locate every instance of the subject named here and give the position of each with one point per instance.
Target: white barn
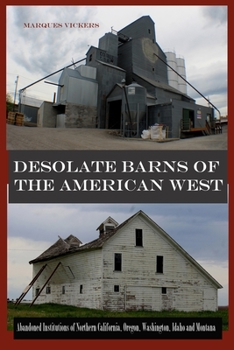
(131, 266)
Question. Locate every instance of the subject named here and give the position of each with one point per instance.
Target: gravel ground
(33, 138)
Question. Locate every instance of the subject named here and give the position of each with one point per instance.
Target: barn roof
(109, 220)
(72, 245)
(60, 248)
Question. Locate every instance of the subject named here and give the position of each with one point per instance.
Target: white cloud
(198, 33)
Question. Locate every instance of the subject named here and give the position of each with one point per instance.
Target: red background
(7, 336)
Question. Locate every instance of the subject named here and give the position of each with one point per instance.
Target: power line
(47, 76)
(188, 83)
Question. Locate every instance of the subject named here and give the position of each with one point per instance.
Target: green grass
(66, 311)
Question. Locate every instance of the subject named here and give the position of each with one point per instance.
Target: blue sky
(201, 229)
(196, 33)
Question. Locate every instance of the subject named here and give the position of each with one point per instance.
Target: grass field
(66, 311)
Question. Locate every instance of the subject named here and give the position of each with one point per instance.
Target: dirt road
(33, 138)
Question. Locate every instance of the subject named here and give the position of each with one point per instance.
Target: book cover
(115, 147)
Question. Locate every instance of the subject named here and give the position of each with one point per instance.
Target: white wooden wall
(86, 271)
(139, 284)
(140, 287)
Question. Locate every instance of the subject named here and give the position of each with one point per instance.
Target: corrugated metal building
(131, 266)
(130, 56)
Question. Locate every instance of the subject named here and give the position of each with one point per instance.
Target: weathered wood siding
(140, 287)
(84, 270)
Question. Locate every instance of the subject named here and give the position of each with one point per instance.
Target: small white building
(131, 266)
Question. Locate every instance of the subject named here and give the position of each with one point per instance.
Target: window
(48, 290)
(109, 228)
(63, 289)
(159, 264)
(116, 288)
(139, 236)
(37, 291)
(81, 288)
(118, 262)
(164, 290)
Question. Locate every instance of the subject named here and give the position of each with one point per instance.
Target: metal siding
(87, 72)
(30, 113)
(162, 115)
(107, 78)
(82, 92)
(137, 56)
(109, 43)
(140, 28)
(125, 60)
(177, 114)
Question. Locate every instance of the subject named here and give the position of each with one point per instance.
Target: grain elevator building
(126, 83)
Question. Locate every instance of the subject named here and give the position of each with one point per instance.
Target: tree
(9, 103)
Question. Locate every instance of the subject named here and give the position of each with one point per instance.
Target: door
(188, 119)
(114, 116)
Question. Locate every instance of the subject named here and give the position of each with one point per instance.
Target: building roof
(109, 220)
(74, 73)
(73, 245)
(60, 247)
(137, 20)
(110, 65)
(161, 85)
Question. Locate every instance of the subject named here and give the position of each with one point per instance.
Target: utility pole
(16, 86)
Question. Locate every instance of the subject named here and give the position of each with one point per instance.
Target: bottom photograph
(118, 258)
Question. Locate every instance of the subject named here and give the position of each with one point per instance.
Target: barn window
(63, 290)
(109, 228)
(139, 238)
(90, 58)
(118, 262)
(159, 264)
(116, 288)
(164, 290)
(37, 291)
(81, 288)
(48, 290)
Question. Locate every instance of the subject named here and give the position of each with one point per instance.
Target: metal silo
(182, 85)
(134, 110)
(172, 76)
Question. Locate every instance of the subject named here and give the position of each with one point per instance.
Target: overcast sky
(201, 229)
(196, 33)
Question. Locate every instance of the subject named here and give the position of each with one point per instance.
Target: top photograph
(116, 78)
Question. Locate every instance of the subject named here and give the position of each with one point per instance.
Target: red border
(6, 336)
